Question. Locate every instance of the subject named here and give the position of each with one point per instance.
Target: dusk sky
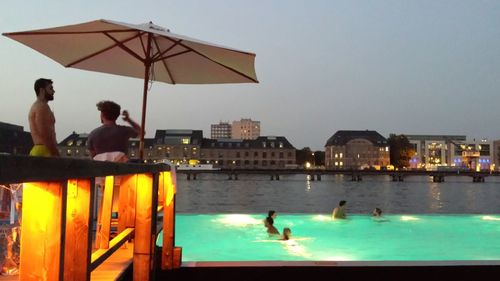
(412, 67)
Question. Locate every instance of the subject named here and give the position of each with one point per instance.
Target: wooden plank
(42, 231)
(115, 266)
(104, 230)
(167, 253)
(127, 201)
(77, 247)
(99, 256)
(144, 237)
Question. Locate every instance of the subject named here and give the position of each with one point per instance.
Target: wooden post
(77, 250)
(167, 255)
(145, 226)
(126, 209)
(104, 230)
(42, 231)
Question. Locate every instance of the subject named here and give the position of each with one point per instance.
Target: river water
(294, 194)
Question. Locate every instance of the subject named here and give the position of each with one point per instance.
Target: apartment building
(265, 152)
(356, 150)
(74, 146)
(220, 131)
(245, 129)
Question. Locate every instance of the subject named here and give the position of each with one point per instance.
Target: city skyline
(413, 67)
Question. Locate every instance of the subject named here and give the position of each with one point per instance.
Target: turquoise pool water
(242, 237)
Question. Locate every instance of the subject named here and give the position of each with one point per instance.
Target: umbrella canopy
(144, 51)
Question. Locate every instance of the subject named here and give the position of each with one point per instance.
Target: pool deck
(338, 270)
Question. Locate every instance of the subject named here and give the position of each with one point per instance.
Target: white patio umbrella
(143, 51)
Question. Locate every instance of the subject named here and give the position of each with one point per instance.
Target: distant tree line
(401, 150)
(315, 158)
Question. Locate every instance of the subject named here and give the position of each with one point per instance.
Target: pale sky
(413, 67)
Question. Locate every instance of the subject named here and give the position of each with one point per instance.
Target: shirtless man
(42, 120)
(339, 211)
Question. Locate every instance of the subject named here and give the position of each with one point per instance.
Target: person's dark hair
(41, 83)
(378, 211)
(342, 203)
(111, 110)
(269, 218)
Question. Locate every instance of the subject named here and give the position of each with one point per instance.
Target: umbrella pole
(147, 66)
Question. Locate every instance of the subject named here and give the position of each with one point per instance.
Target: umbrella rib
(104, 50)
(163, 61)
(62, 32)
(214, 61)
(123, 47)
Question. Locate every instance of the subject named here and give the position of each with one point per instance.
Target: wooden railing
(59, 197)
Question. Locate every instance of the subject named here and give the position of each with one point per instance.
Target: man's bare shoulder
(38, 105)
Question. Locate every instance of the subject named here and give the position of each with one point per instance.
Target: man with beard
(42, 120)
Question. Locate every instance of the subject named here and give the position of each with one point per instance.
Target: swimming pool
(242, 237)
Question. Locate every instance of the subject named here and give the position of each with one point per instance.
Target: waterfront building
(438, 151)
(74, 146)
(14, 140)
(189, 147)
(356, 150)
(265, 152)
(220, 131)
(245, 129)
(150, 153)
(178, 146)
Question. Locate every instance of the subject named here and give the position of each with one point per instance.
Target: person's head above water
(377, 212)
(287, 233)
(342, 203)
(270, 217)
(271, 213)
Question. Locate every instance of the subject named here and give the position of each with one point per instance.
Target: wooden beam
(104, 230)
(99, 256)
(77, 249)
(42, 231)
(167, 254)
(17, 168)
(127, 202)
(145, 225)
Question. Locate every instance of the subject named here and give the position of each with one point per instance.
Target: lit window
(341, 155)
(386, 148)
(336, 163)
(336, 155)
(185, 140)
(341, 163)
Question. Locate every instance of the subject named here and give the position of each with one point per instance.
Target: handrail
(99, 256)
(17, 168)
(59, 201)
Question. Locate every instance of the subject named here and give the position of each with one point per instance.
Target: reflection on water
(212, 193)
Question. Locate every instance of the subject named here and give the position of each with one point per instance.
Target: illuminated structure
(356, 150)
(178, 146)
(440, 151)
(74, 146)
